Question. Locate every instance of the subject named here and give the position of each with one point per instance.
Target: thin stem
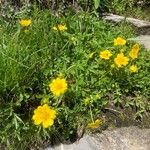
(91, 114)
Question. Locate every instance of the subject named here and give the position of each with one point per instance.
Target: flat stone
(113, 18)
(136, 22)
(144, 40)
(126, 138)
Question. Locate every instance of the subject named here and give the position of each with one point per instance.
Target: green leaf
(96, 3)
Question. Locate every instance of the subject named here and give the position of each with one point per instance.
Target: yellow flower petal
(58, 86)
(133, 69)
(37, 121)
(45, 115)
(106, 54)
(95, 124)
(25, 22)
(48, 123)
(119, 41)
(60, 27)
(121, 60)
(134, 51)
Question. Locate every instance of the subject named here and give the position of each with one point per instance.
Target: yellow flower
(95, 124)
(133, 68)
(134, 51)
(121, 60)
(25, 22)
(60, 27)
(106, 54)
(119, 41)
(58, 86)
(44, 115)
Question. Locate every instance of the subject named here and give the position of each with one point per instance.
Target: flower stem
(91, 114)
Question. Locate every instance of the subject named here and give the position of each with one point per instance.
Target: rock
(138, 23)
(143, 27)
(126, 138)
(144, 40)
(113, 18)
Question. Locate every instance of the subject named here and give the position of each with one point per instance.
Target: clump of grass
(57, 63)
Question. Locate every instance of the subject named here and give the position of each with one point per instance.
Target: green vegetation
(132, 8)
(35, 52)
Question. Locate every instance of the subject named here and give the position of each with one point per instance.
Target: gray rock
(113, 18)
(126, 138)
(144, 40)
(136, 22)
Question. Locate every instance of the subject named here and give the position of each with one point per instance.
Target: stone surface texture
(144, 40)
(136, 22)
(142, 27)
(125, 138)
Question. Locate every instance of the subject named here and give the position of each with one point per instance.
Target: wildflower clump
(66, 81)
(25, 22)
(58, 86)
(44, 115)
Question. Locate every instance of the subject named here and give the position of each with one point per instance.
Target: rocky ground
(126, 138)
